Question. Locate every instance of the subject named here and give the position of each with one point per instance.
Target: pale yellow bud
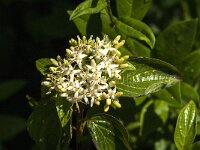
(93, 63)
(46, 83)
(118, 94)
(69, 52)
(112, 83)
(116, 40)
(123, 66)
(97, 103)
(108, 101)
(117, 104)
(52, 69)
(54, 62)
(120, 44)
(126, 57)
(106, 108)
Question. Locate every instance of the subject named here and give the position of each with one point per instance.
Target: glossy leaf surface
(107, 132)
(88, 7)
(185, 130)
(43, 64)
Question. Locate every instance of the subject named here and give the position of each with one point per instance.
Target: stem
(109, 10)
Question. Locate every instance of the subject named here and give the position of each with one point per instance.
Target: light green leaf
(10, 87)
(135, 29)
(162, 110)
(144, 80)
(133, 8)
(185, 130)
(174, 43)
(10, 126)
(64, 110)
(44, 125)
(108, 133)
(88, 7)
(43, 64)
(191, 65)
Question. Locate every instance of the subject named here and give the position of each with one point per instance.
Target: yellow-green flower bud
(54, 62)
(117, 104)
(120, 44)
(108, 101)
(118, 94)
(123, 66)
(106, 108)
(97, 103)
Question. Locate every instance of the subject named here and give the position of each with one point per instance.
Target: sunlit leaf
(88, 7)
(133, 8)
(185, 130)
(135, 29)
(10, 87)
(144, 80)
(64, 110)
(10, 126)
(108, 133)
(43, 64)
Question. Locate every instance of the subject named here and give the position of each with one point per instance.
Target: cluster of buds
(89, 72)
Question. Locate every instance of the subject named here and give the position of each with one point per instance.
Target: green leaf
(195, 146)
(88, 7)
(174, 43)
(189, 93)
(149, 120)
(135, 29)
(162, 110)
(191, 65)
(10, 126)
(156, 64)
(108, 133)
(44, 126)
(10, 87)
(171, 95)
(43, 64)
(144, 80)
(133, 8)
(64, 110)
(185, 130)
(137, 48)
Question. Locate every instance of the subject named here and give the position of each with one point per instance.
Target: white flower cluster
(89, 72)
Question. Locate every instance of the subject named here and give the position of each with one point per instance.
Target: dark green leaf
(174, 43)
(171, 95)
(135, 29)
(189, 93)
(10, 87)
(137, 48)
(196, 146)
(144, 80)
(133, 8)
(43, 64)
(191, 71)
(185, 130)
(10, 126)
(64, 110)
(88, 7)
(44, 126)
(149, 120)
(156, 64)
(108, 133)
